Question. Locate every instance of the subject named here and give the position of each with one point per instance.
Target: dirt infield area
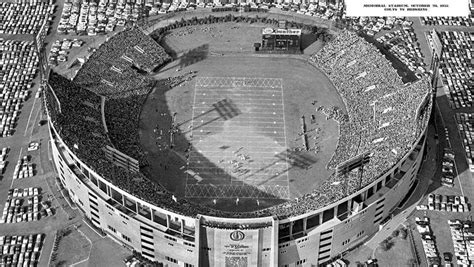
(232, 136)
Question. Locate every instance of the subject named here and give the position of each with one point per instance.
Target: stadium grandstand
(100, 107)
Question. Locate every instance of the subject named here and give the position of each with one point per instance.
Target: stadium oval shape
(178, 233)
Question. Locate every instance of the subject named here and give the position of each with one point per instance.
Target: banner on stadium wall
(407, 8)
(236, 248)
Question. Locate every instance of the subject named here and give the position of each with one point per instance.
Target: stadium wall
(177, 240)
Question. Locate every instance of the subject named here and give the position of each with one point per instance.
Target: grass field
(238, 136)
(239, 139)
(228, 37)
(73, 248)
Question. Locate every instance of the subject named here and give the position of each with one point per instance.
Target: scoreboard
(281, 40)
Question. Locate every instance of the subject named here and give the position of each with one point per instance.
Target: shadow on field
(226, 109)
(307, 40)
(166, 147)
(190, 57)
(293, 159)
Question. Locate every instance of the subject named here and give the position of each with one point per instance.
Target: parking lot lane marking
(29, 117)
(19, 156)
(49, 151)
(33, 126)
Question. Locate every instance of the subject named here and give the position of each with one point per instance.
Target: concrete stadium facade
(176, 240)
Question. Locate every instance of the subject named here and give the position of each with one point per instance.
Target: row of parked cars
(25, 205)
(24, 168)
(24, 18)
(465, 122)
(372, 25)
(21, 250)
(403, 44)
(456, 67)
(18, 68)
(448, 172)
(448, 21)
(3, 160)
(60, 50)
(448, 203)
(428, 240)
(463, 240)
(92, 18)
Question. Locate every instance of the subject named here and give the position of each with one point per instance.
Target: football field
(239, 147)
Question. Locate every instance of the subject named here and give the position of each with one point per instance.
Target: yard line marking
(192, 127)
(238, 127)
(270, 118)
(254, 98)
(264, 120)
(284, 133)
(251, 121)
(213, 89)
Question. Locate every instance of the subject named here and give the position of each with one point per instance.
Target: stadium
(207, 153)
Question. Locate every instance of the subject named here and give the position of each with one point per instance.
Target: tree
(403, 233)
(395, 233)
(386, 244)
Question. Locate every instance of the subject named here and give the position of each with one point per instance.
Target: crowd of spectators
(122, 117)
(448, 21)
(24, 17)
(91, 18)
(18, 67)
(404, 45)
(76, 114)
(382, 113)
(456, 67)
(373, 92)
(118, 65)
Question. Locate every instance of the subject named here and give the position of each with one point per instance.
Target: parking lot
(24, 18)
(447, 21)
(456, 67)
(21, 250)
(29, 199)
(25, 205)
(89, 18)
(404, 45)
(465, 122)
(18, 63)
